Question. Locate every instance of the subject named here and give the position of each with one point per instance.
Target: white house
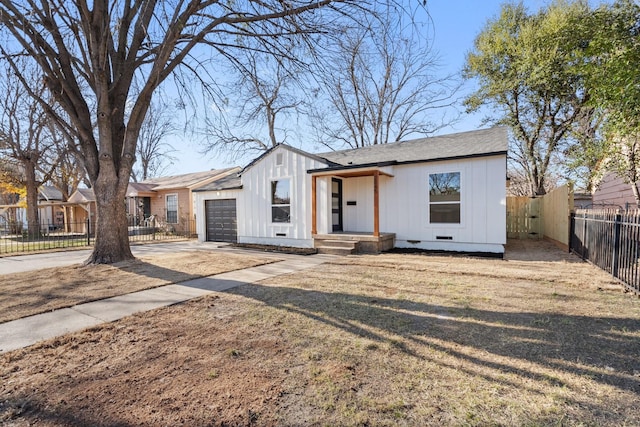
(441, 193)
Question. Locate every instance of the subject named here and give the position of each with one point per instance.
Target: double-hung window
(281, 201)
(444, 198)
(172, 208)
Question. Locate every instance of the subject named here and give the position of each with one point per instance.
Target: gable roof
(49, 193)
(189, 180)
(82, 195)
(316, 157)
(477, 143)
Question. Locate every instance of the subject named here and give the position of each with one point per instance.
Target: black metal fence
(18, 238)
(610, 240)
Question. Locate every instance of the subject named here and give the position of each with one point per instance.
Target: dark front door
(222, 223)
(336, 204)
(146, 207)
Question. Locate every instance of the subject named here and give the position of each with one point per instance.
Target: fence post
(584, 235)
(616, 245)
(88, 232)
(153, 230)
(572, 227)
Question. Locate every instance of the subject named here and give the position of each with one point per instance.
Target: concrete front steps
(336, 247)
(353, 243)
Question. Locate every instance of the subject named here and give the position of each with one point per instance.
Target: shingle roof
(230, 182)
(48, 192)
(82, 195)
(134, 189)
(459, 145)
(185, 180)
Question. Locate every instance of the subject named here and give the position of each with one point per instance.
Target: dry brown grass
(38, 291)
(371, 340)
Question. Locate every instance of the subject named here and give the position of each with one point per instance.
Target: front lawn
(368, 340)
(38, 291)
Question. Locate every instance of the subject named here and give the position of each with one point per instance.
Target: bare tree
(380, 85)
(70, 172)
(259, 100)
(103, 61)
(153, 152)
(27, 135)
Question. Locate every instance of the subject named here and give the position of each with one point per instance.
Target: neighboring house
(441, 193)
(81, 207)
(50, 209)
(168, 199)
(582, 201)
(172, 197)
(612, 192)
(139, 197)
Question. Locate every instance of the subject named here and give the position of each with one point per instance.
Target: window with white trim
(281, 201)
(444, 198)
(171, 202)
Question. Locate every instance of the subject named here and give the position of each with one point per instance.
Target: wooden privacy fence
(524, 218)
(547, 216)
(610, 240)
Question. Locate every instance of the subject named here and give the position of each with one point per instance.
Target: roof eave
(406, 162)
(202, 190)
(338, 168)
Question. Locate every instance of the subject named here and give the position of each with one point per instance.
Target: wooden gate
(541, 217)
(524, 218)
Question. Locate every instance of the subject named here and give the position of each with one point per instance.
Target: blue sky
(457, 22)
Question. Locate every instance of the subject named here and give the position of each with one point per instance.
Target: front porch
(363, 210)
(347, 243)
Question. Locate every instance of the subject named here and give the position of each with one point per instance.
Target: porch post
(314, 220)
(376, 204)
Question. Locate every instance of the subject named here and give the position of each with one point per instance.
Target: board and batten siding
(482, 206)
(404, 206)
(199, 199)
(254, 211)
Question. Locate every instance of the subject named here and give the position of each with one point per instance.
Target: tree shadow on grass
(603, 349)
(30, 407)
(81, 286)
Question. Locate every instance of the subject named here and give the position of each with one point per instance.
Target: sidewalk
(24, 332)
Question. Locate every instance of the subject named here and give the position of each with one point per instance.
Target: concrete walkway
(24, 332)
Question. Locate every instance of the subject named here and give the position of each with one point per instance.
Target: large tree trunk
(111, 228)
(33, 222)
